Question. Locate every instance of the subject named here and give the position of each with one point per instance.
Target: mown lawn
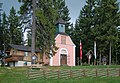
(18, 75)
(80, 67)
(81, 80)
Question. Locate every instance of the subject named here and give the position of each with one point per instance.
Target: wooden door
(63, 60)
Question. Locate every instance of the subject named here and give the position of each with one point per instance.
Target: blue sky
(7, 4)
(74, 7)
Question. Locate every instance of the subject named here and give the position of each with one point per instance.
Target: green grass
(81, 67)
(12, 75)
(18, 75)
(81, 80)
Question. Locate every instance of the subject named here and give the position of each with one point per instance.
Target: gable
(63, 39)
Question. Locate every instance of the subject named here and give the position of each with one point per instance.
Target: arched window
(63, 51)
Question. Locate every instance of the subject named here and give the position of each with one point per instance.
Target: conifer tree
(63, 13)
(15, 31)
(98, 21)
(111, 18)
(4, 32)
(47, 13)
(83, 27)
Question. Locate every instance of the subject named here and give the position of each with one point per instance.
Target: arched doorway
(63, 57)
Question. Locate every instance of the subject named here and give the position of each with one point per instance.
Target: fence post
(107, 71)
(96, 72)
(28, 72)
(83, 72)
(44, 71)
(58, 73)
(70, 73)
(119, 71)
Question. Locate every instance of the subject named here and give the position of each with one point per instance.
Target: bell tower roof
(60, 21)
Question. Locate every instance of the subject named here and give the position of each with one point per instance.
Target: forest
(98, 21)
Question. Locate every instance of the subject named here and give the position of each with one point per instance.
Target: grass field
(79, 67)
(18, 75)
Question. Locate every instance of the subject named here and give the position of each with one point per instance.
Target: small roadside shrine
(34, 59)
(89, 55)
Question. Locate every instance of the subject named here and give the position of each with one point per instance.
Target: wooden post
(70, 73)
(83, 72)
(96, 72)
(119, 71)
(27, 72)
(107, 71)
(44, 71)
(58, 73)
(95, 62)
(88, 61)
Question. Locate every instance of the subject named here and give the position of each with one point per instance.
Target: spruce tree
(98, 21)
(63, 13)
(83, 28)
(4, 32)
(112, 15)
(47, 13)
(15, 31)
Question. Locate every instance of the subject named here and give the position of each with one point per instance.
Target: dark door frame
(63, 59)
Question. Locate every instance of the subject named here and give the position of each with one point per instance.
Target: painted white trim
(51, 59)
(74, 55)
(73, 50)
(71, 41)
(57, 36)
(61, 53)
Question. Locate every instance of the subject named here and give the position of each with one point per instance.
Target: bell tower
(60, 26)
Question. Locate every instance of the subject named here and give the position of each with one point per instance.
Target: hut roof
(23, 48)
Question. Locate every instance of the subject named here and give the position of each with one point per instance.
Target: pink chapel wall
(69, 46)
(70, 57)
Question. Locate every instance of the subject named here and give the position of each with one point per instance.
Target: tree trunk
(4, 46)
(116, 58)
(110, 54)
(33, 31)
(100, 58)
(33, 28)
(78, 61)
(10, 39)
